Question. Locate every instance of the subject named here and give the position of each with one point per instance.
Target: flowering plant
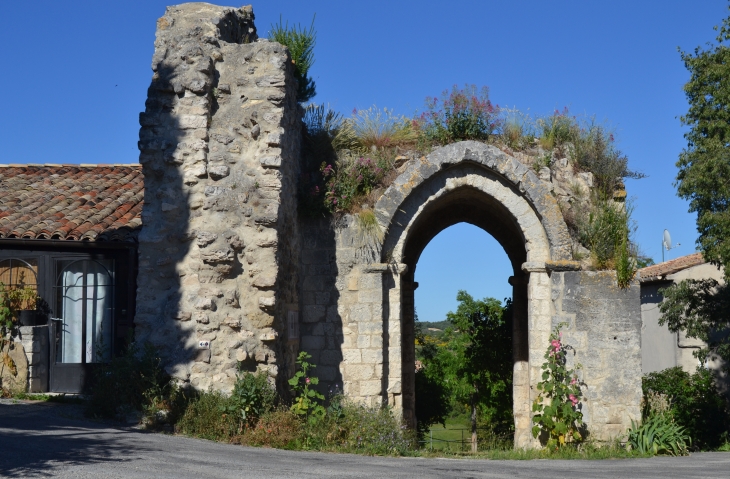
(306, 401)
(351, 179)
(558, 408)
(463, 114)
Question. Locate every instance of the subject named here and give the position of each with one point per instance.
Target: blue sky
(75, 76)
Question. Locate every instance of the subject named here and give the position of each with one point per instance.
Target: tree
(704, 166)
(482, 370)
(701, 308)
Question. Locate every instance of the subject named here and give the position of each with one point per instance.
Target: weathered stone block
(313, 313)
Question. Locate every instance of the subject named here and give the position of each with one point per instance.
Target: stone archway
(478, 184)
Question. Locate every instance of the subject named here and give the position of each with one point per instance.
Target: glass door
(82, 330)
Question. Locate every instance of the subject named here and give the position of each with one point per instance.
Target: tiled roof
(71, 202)
(658, 271)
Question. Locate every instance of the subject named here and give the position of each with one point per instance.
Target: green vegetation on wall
(300, 43)
(347, 163)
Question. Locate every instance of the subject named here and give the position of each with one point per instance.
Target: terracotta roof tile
(71, 202)
(658, 271)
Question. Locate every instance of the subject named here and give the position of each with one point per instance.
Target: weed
(280, 429)
(350, 180)
(300, 43)
(557, 129)
(360, 429)
(368, 226)
(380, 129)
(518, 129)
(307, 400)
(203, 418)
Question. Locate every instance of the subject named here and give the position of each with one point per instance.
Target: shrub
(464, 114)
(203, 418)
(696, 404)
(281, 429)
(252, 396)
(131, 382)
(658, 434)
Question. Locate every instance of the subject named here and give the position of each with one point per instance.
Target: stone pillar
(219, 148)
(539, 317)
(29, 351)
(407, 342)
(35, 344)
(521, 404)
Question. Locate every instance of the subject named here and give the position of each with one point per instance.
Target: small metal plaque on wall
(293, 325)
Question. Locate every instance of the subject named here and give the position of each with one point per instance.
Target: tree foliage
(470, 365)
(704, 166)
(701, 308)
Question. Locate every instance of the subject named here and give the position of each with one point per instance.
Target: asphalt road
(53, 440)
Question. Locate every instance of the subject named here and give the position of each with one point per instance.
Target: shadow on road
(41, 439)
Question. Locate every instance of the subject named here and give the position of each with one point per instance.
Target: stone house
(69, 232)
(660, 348)
(229, 276)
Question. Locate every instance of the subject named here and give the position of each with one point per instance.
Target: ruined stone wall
(219, 147)
(343, 322)
(604, 327)
(230, 277)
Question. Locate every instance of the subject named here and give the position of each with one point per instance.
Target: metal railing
(464, 443)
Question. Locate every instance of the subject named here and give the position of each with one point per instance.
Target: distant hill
(435, 328)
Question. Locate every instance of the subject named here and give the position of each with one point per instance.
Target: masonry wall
(219, 146)
(604, 328)
(346, 312)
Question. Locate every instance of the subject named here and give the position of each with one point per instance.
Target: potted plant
(25, 301)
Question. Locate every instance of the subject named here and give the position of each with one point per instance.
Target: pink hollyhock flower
(573, 399)
(573, 381)
(306, 380)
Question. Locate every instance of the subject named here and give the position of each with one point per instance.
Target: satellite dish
(667, 243)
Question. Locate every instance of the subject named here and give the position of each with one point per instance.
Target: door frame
(47, 253)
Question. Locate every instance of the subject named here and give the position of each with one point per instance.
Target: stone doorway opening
(465, 205)
(465, 271)
(471, 183)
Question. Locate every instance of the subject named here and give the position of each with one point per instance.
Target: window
(18, 273)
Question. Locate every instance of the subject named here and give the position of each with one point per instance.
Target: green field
(456, 430)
